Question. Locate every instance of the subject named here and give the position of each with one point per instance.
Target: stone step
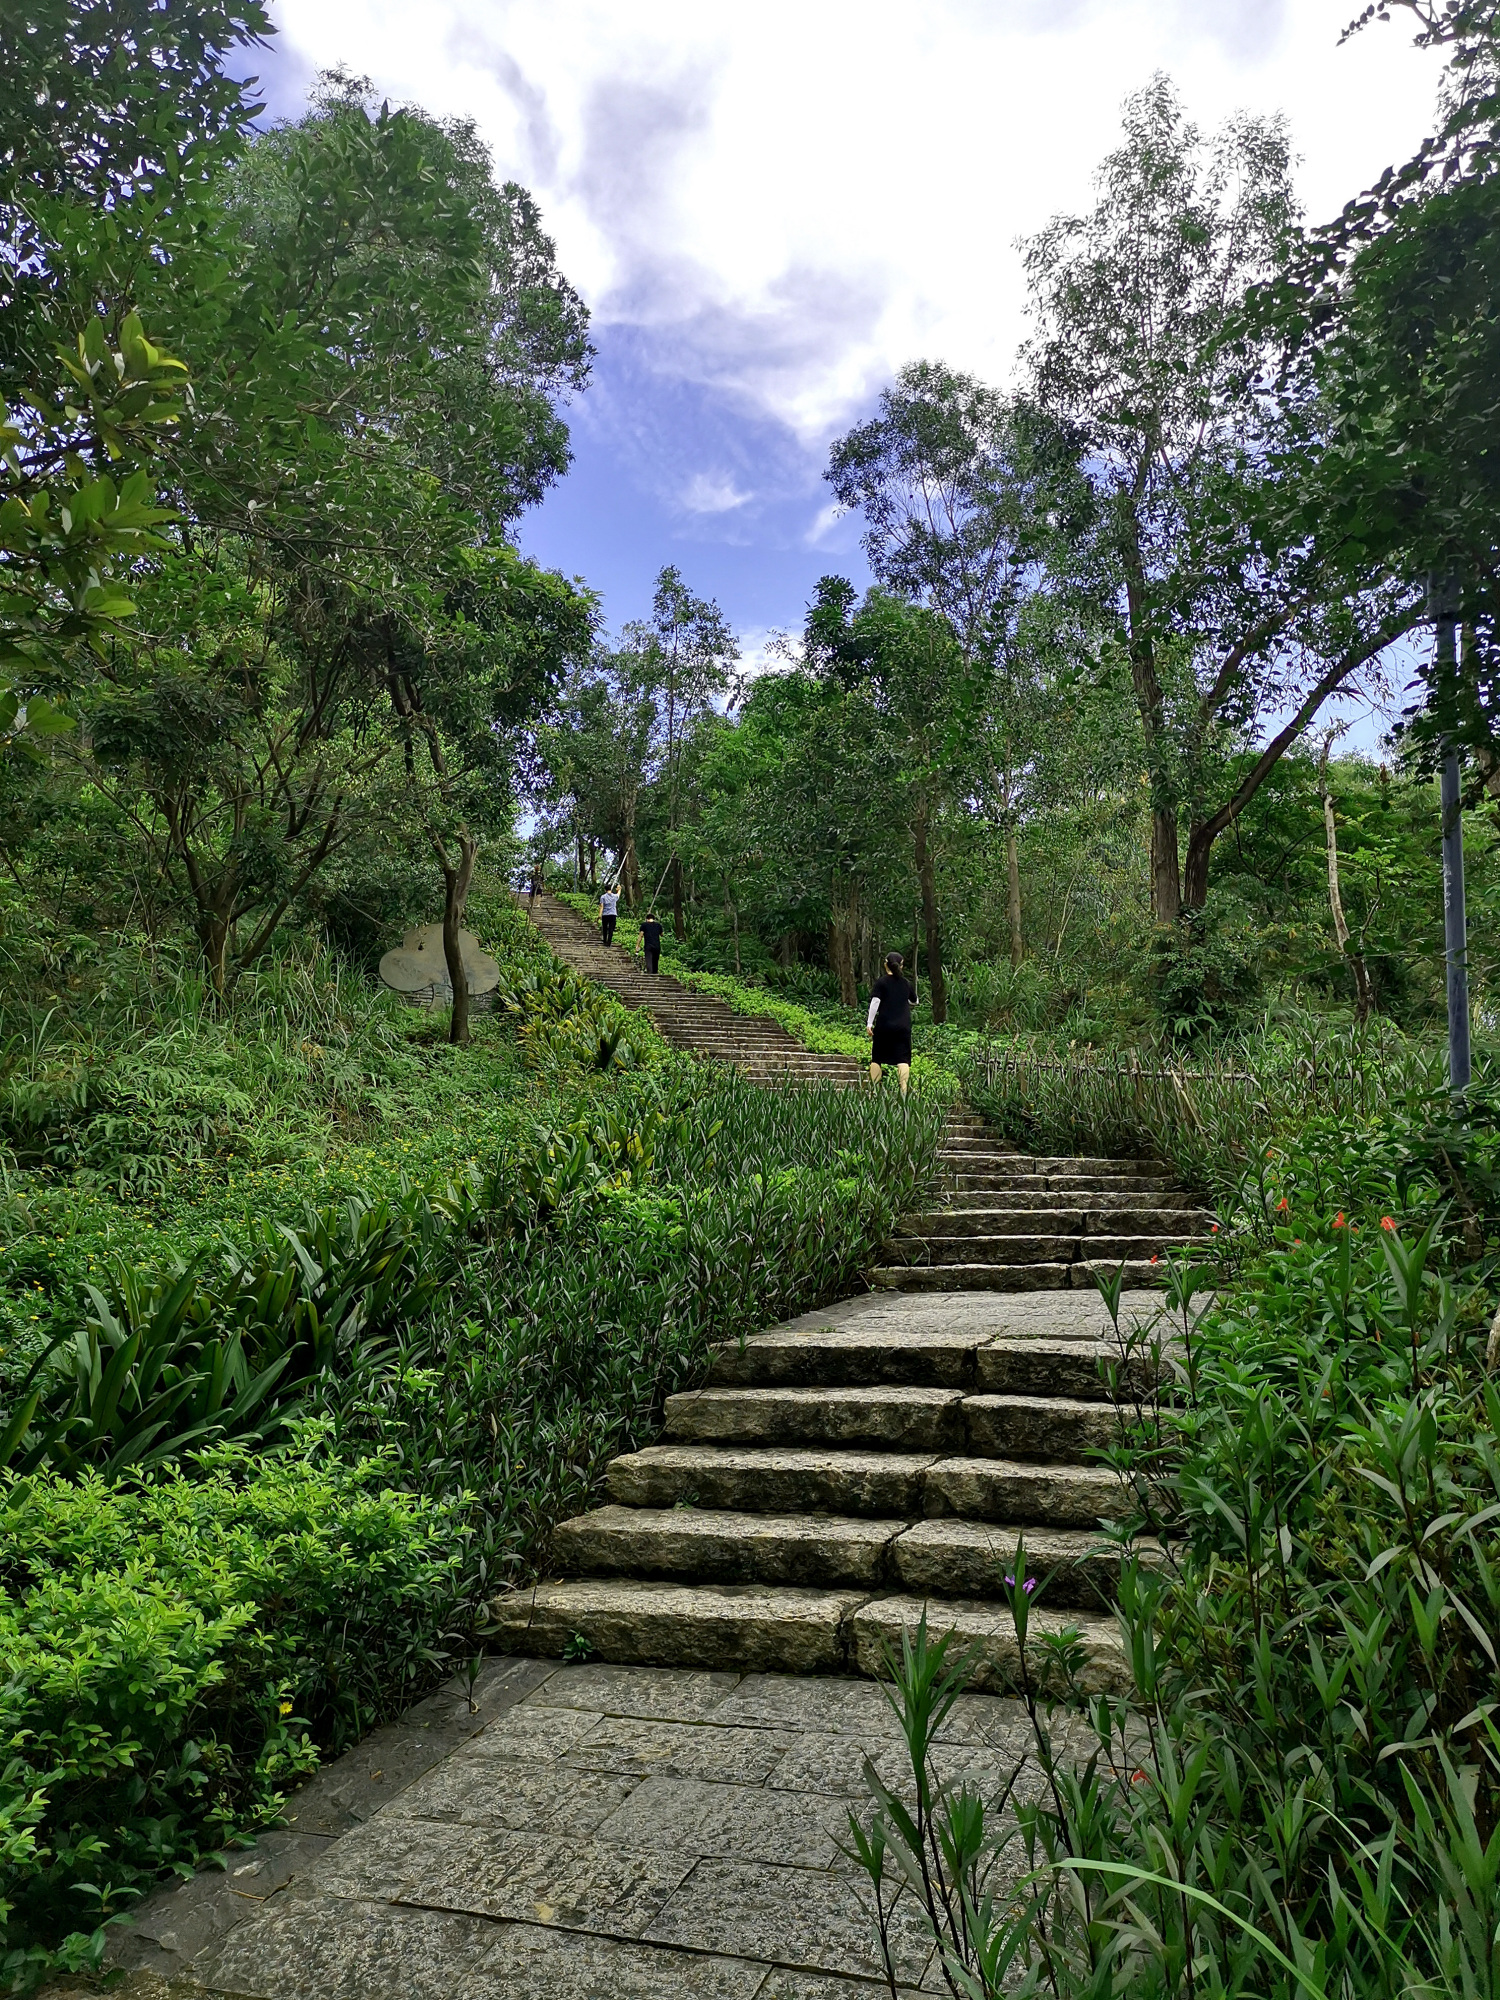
(1102, 1249)
(1129, 1219)
(751, 1479)
(756, 1628)
(873, 1484)
(1031, 1173)
(903, 1417)
(954, 1558)
(834, 1357)
(747, 1627)
(1105, 1202)
(986, 1633)
(943, 1558)
(1011, 1277)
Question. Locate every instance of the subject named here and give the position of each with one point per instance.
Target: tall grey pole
(1455, 927)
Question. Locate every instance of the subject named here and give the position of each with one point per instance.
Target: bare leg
(903, 1071)
(874, 1072)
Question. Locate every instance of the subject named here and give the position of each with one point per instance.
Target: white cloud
(712, 493)
(799, 196)
(824, 522)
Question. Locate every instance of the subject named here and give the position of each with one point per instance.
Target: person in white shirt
(609, 910)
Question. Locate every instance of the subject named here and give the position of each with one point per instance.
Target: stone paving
(581, 1832)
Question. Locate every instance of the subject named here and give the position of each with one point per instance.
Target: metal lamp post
(1442, 598)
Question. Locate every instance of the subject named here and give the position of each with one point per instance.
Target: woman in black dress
(889, 1021)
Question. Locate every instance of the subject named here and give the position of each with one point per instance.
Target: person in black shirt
(651, 941)
(888, 1023)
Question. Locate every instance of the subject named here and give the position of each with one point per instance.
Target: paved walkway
(587, 1832)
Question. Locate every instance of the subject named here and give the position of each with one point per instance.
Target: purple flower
(1028, 1586)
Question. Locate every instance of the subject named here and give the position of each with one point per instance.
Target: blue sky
(770, 208)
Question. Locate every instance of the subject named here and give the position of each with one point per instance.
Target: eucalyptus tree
(1239, 600)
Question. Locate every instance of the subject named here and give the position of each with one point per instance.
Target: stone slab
(778, 1479)
(515, 1792)
(718, 1751)
(996, 1489)
(673, 1694)
(975, 1316)
(1048, 1428)
(948, 1557)
(988, 1632)
(719, 1546)
(793, 1917)
(322, 1947)
(904, 1418)
(745, 1822)
(745, 1626)
(848, 1355)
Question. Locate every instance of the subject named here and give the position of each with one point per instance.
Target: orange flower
(1387, 1221)
(1282, 1206)
(1338, 1220)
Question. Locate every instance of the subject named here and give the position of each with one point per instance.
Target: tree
(962, 490)
(115, 119)
(485, 658)
(375, 363)
(1237, 597)
(678, 660)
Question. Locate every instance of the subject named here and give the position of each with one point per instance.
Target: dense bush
(179, 1651)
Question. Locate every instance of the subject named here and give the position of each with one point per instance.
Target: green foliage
(178, 1653)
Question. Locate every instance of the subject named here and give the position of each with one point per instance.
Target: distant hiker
(888, 1023)
(651, 941)
(537, 882)
(609, 910)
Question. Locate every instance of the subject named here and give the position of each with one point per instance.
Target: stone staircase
(840, 1474)
(1012, 1222)
(696, 1022)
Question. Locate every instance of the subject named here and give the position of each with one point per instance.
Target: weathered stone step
(905, 1418)
(881, 1485)
(1011, 1277)
(755, 1628)
(752, 1628)
(954, 1558)
(853, 1357)
(1106, 1203)
(944, 1558)
(987, 1634)
(1101, 1249)
(1127, 1219)
(1073, 1190)
(783, 1481)
(1060, 1166)
(819, 1551)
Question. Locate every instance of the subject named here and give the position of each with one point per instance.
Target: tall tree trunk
(1013, 899)
(927, 878)
(1364, 997)
(1166, 873)
(679, 924)
(455, 895)
(843, 910)
(593, 867)
(577, 862)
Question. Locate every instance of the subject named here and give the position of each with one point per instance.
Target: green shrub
(179, 1651)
